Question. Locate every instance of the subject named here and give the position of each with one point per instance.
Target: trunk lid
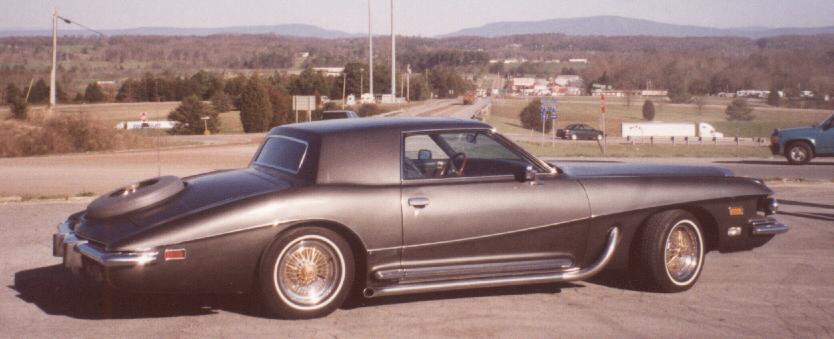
(201, 192)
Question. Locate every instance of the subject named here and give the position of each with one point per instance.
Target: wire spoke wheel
(682, 252)
(308, 272)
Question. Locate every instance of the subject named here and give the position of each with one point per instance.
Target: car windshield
(828, 122)
(283, 153)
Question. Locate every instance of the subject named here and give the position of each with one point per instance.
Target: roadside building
(578, 61)
(654, 93)
(330, 71)
(569, 81)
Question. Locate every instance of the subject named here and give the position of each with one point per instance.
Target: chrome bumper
(73, 249)
(768, 226)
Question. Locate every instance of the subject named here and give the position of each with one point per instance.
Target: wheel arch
(357, 246)
(810, 142)
(707, 222)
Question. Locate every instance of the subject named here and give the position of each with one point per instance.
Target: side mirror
(424, 154)
(526, 174)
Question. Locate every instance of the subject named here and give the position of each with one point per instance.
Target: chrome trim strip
(567, 275)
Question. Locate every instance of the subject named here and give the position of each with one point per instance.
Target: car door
(480, 219)
(825, 142)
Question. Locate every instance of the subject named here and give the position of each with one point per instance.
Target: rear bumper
(79, 254)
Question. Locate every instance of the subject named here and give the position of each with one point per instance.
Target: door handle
(418, 202)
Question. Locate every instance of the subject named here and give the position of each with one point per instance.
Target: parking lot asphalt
(784, 289)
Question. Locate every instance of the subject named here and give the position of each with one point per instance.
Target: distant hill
(297, 30)
(620, 26)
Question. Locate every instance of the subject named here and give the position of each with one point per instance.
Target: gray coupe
(394, 206)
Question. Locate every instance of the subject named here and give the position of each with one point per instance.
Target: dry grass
(64, 134)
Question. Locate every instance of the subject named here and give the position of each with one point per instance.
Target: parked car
(800, 145)
(579, 131)
(328, 115)
(408, 205)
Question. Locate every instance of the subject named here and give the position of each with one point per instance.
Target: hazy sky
(414, 17)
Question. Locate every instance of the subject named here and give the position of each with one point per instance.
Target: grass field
(586, 110)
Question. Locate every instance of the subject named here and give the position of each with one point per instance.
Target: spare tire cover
(134, 197)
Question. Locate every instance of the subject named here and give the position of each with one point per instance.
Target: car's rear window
(284, 153)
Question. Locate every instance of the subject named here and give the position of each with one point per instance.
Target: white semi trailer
(669, 129)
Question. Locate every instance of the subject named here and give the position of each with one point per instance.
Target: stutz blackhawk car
(394, 206)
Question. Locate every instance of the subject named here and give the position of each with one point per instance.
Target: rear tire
(306, 273)
(798, 153)
(671, 251)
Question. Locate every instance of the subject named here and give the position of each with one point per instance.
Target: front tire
(671, 251)
(798, 153)
(306, 273)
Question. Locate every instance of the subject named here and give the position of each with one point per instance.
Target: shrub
(738, 110)
(648, 110)
(221, 102)
(366, 110)
(531, 117)
(17, 104)
(255, 108)
(773, 98)
(188, 115)
(63, 134)
(93, 93)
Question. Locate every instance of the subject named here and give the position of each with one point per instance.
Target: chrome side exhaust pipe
(568, 275)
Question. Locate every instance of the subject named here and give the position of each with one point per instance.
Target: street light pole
(370, 54)
(393, 57)
(54, 60)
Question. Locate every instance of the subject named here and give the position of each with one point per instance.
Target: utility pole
(344, 88)
(393, 57)
(408, 83)
(362, 82)
(370, 54)
(54, 60)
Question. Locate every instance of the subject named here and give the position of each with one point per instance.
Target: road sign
(549, 108)
(303, 102)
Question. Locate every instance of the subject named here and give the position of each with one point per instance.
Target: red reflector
(175, 254)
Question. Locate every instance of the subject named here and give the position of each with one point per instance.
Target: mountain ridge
(623, 26)
(296, 30)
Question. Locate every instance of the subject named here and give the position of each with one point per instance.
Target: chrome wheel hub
(797, 154)
(308, 272)
(683, 252)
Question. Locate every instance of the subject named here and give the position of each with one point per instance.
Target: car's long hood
(201, 192)
(586, 170)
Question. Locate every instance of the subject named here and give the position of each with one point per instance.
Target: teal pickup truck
(800, 145)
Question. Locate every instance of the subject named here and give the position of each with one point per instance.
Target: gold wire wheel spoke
(308, 272)
(681, 255)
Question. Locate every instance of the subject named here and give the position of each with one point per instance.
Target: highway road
(783, 289)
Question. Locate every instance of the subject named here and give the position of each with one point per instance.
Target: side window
(458, 154)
